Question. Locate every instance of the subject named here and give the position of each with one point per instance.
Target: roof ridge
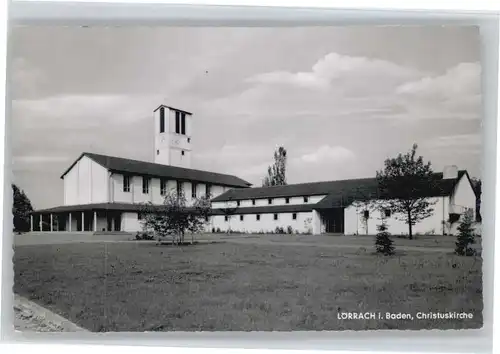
(158, 164)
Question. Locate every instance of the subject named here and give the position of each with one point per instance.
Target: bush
(289, 230)
(465, 236)
(144, 236)
(383, 242)
(279, 230)
(218, 230)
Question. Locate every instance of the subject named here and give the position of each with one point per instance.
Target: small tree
(21, 210)
(403, 184)
(477, 186)
(383, 242)
(466, 235)
(174, 217)
(276, 174)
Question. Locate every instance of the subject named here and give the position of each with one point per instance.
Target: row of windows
(257, 217)
(180, 121)
(270, 201)
(366, 213)
(146, 182)
(182, 151)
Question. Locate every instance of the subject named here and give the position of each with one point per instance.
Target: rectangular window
(178, 122)
(183, 123)
(366, 214)
(179, 189)
(306, 199)
(253, 201)
(241, 217)
(387, 213)
(193, 190)
(139, 216)
(208, 192)
(226, 218)
(162, 120)
(206, 218)
(269, 201)
(257, 217)
(126, 183)
(287, 200)
(163, 186)
(145, 185)
(275, 216)
(294, 216)
(237, 203)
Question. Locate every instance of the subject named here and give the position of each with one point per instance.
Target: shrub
(383, 242)
(218, 230)
(279, 230)
(143, 236)
(289, 230)
(465, 236)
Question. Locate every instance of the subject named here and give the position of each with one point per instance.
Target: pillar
(83, 221)
(51, 222)
(95, 221)
(40, 222)
(316, 222)
(70, 222)
(31, 222)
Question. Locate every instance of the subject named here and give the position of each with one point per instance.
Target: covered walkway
(85, 217)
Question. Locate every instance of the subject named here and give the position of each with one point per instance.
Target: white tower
(172, 134)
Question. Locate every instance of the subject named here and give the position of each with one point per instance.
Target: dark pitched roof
(122, 165)
(138, 207)
(172, 108)
(342, 192)
(92, 207)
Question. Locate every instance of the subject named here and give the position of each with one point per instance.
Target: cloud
(25, 79)
(334, 68)
(39, 159)
(453, 141)
(327, 154)
(456, 94)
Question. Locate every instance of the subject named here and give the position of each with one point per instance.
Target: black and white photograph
(322, 178)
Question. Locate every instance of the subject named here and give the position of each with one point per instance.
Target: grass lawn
(143, 287)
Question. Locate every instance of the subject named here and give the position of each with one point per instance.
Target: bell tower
(172, 136)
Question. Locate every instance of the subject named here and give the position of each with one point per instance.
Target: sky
(340, 99)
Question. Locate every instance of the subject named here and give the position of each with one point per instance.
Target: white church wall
(354, 223)
(118, 195)
(266, 224)
(86, 183)
(265, 202)
(130, 222)
(463, 197)
(136, 187)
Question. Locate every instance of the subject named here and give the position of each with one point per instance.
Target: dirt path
(30, 317)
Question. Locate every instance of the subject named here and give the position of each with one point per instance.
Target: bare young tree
(175, 217)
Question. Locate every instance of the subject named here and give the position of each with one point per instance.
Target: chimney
(450, 172)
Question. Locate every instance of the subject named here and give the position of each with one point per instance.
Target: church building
(105, 194)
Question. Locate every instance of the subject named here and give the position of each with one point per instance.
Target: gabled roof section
(172, 108)
(143, 168)
(338, 193)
